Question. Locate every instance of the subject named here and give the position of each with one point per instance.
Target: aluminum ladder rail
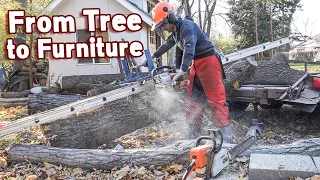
(254, 50)
(72, 108)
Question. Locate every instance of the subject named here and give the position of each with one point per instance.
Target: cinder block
(280, 167)
(317, 162)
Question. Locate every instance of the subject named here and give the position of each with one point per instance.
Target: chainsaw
(208, 160)
(163, 79)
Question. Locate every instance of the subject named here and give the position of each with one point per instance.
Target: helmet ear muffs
(172, 19)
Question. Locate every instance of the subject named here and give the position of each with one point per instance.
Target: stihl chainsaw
(209, 160)
(163, 79)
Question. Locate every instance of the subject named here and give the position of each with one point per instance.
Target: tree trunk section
(70, 83)
(101, 159)
(83, 88)
(237, 71)
(309, 147)
(274, 72)
(108, 159)
(23, 85)
(13, 102)
(96, 127)
(99, 90)
(15, 94)
(44, 101)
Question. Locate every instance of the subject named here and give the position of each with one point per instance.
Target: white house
(307, 51)
(91, 66)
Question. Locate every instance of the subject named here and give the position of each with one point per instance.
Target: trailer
(304, 95)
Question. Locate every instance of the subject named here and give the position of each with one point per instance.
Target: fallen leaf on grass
(122, 172)
(141, 171)
(3, 162)
(298, 178)
(242, 173)
(32, 177)
(175, 168)
(315, 177)
(77, 171)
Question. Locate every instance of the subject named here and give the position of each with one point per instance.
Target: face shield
(158, 26)
(160, 32)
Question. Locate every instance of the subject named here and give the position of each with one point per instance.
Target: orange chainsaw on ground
(208, 160)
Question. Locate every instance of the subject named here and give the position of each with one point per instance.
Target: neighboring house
(95, 66)
(307, 51)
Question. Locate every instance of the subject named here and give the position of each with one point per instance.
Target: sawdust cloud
(170, 107)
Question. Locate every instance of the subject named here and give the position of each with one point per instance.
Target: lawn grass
(311, 68)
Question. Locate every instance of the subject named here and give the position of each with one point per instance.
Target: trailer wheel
(237, 106)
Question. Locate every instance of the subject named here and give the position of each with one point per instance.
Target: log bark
(99, 90)
(103, 125)
(44, 101)
(15, 94)
(309, 147)
(70, 83)
(23, 85)
(13, 102)
(274, 72)
(108, 159)
(101, 159)
(237, 71)
(83, 88)
(54, 90)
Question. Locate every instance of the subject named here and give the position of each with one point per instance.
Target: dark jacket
(179, 54)
(192, 40)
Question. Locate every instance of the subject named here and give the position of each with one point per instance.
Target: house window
(83, 36)
(152, 37)
(150, 6)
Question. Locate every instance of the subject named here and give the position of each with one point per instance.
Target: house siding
(71, 67)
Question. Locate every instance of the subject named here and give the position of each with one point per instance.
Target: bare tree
(199, 9)
(210, 7)
(206, 22)
(189, 4)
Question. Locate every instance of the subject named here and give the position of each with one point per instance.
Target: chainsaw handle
(220, 145)
(208, 138)
(214, 132)
(161, 67)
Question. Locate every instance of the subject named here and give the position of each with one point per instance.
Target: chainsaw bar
(241, 147)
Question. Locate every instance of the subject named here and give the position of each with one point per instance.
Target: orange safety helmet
(159, 13)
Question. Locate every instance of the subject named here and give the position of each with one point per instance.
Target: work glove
(155, 60)
(180, 76)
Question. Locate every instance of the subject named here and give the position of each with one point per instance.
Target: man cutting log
(205, 70)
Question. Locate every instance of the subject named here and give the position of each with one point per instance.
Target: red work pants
(205, 82)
